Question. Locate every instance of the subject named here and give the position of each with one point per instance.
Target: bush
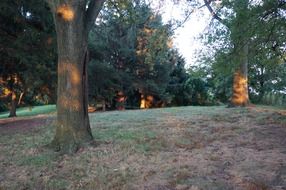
(275, 99)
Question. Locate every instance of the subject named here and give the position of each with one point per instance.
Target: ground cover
(31, 111)
(197, 148)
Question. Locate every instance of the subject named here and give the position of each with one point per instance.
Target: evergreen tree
(26, 52)
(135, 43)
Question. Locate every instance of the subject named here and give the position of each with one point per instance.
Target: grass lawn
(31, 111)
(182, 148)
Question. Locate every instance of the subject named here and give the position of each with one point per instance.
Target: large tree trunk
(73, 128)
(13, 105)
(240, 82)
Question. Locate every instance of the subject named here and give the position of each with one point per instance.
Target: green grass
(31, 111)
(39, 161)
(170, 148)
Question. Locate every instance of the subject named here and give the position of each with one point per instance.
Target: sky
(186, 37)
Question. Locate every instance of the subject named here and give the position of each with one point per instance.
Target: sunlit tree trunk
(20, 98)
(142, 101)
(13, 84)
(146, 101)
(240, 38)
(240, 82)
(72, 21)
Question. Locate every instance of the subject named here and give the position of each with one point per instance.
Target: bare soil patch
(23, 124)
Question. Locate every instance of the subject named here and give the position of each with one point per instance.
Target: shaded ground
(20, 124)
(193, 148)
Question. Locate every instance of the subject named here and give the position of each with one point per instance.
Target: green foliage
(176, 86)
(197, 91)
(189, 87)
(261, 26)
(27, 50)
(132, 43)
(130, 51)
(102, 84)
(277, 99)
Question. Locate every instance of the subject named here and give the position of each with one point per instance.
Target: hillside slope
(172, 148)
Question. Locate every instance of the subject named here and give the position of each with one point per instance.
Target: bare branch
(93, 10)
(213, 13)
(187, 17)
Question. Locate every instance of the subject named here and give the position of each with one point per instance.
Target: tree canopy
(260, 25)
(130, 41)
(27, 52)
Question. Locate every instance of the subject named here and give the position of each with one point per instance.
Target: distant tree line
(133, 63)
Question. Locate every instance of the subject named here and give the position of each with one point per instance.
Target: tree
(242, 19)
(136, 45)
(239, 36)
(73, 20)
(25, 26)
(178, 78)
(103, 86)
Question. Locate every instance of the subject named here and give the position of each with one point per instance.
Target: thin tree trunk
(240, 82)
(73, 128)
(13, 106)
(103, 105)
(261, 82)
(20, 98)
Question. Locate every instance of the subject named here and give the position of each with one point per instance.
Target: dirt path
(23, 124)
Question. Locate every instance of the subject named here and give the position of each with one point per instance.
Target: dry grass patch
(186, 148)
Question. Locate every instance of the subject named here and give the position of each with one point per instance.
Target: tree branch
(93, 10)
(213, 13)
(187, 17)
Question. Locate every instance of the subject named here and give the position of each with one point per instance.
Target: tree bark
(72, 23)
(142, 102)
(240, 95)
(20, 98)
(13, 106)
(103, 105)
